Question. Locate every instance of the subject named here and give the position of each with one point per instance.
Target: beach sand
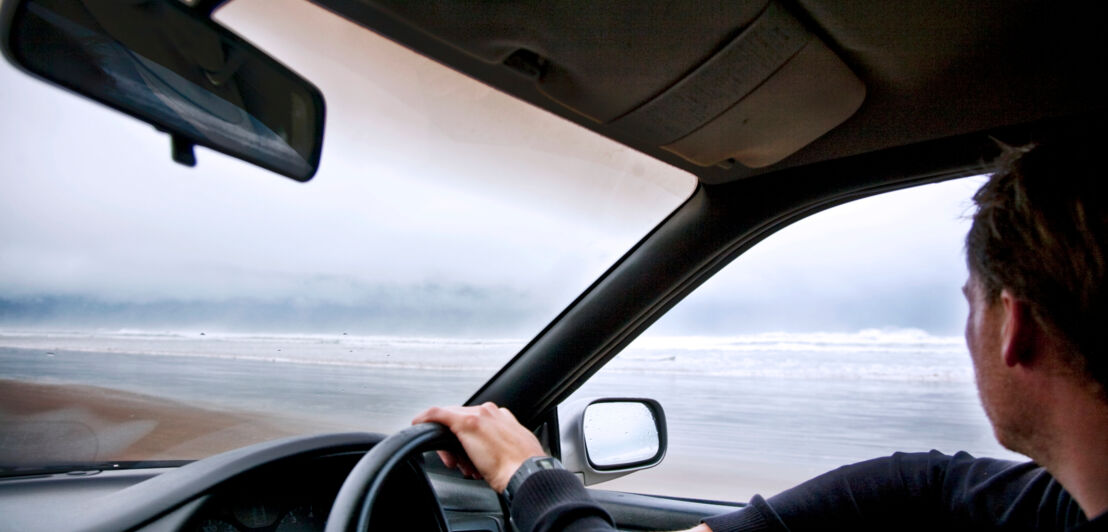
(44, 423)
(719, 479)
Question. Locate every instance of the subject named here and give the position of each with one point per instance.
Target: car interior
(780, 108)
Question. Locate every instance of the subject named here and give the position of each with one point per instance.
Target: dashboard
(292, 498)
(286, 486)
(297, 497)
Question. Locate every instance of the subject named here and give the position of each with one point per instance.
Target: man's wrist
(529, 467)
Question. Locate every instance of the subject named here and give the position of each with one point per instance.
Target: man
(1036, 334)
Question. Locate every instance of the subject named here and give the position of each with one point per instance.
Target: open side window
(836, 340)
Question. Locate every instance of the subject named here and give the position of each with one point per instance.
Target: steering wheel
(364, 485)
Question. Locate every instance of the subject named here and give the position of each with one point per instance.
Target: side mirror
(603, 439)
(171, 66)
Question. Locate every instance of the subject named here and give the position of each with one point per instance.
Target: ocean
(781, 406)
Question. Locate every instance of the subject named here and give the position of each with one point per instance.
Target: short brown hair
(1040, 232)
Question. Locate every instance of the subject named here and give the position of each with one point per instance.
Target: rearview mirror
(173, 67)
(602, 439)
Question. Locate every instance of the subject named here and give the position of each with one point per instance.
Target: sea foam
(867, 354)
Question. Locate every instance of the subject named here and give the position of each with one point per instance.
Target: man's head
(1040, 238)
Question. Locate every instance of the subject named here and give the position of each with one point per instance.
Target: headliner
(931, 70)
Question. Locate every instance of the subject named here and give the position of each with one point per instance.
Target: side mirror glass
(171, 66)
(619, 434)
(602, 439)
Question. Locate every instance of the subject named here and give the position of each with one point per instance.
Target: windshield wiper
(22, 470)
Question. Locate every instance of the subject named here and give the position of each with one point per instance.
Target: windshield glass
(150, 311)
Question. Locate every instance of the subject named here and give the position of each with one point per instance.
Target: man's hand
(495, 442)
(700, 528)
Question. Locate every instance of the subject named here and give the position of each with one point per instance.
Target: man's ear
(1018, 330)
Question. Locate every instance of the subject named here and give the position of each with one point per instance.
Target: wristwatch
(529, 467)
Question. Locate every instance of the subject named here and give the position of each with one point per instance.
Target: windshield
(150, 311)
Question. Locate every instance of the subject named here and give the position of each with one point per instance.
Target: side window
(835, 340)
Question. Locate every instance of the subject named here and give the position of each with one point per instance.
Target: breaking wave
(868, 354)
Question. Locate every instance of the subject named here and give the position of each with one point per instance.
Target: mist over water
(413, 352)
(903, 355)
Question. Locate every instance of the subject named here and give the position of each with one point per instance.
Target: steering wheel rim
(363, 485)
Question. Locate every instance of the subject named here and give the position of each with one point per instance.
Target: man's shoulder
(1018, 494)
(963, 464)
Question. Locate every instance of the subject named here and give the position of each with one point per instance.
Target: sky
(893, 261)
(441, 207)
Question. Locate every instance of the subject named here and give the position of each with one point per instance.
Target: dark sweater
(921, 491)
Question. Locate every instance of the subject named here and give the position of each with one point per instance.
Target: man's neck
(1076, 450)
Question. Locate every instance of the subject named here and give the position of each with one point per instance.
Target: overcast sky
(431, 186)
(892, 261)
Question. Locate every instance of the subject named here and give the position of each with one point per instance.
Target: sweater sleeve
(920, 491)
(904, 492)
(757, 516)
(554, 500)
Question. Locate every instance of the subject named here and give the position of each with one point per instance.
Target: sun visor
(771, 91)
(810, 95)
(752, 84)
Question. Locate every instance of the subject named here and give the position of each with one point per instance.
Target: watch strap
(529, 467)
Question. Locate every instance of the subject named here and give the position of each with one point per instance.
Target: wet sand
(731, 479)
(55, 422)
(44, 423)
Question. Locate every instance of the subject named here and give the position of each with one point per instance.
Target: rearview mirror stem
(206, 7)
(183, 151)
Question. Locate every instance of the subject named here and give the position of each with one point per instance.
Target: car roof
(831, 101)
(637, 71)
